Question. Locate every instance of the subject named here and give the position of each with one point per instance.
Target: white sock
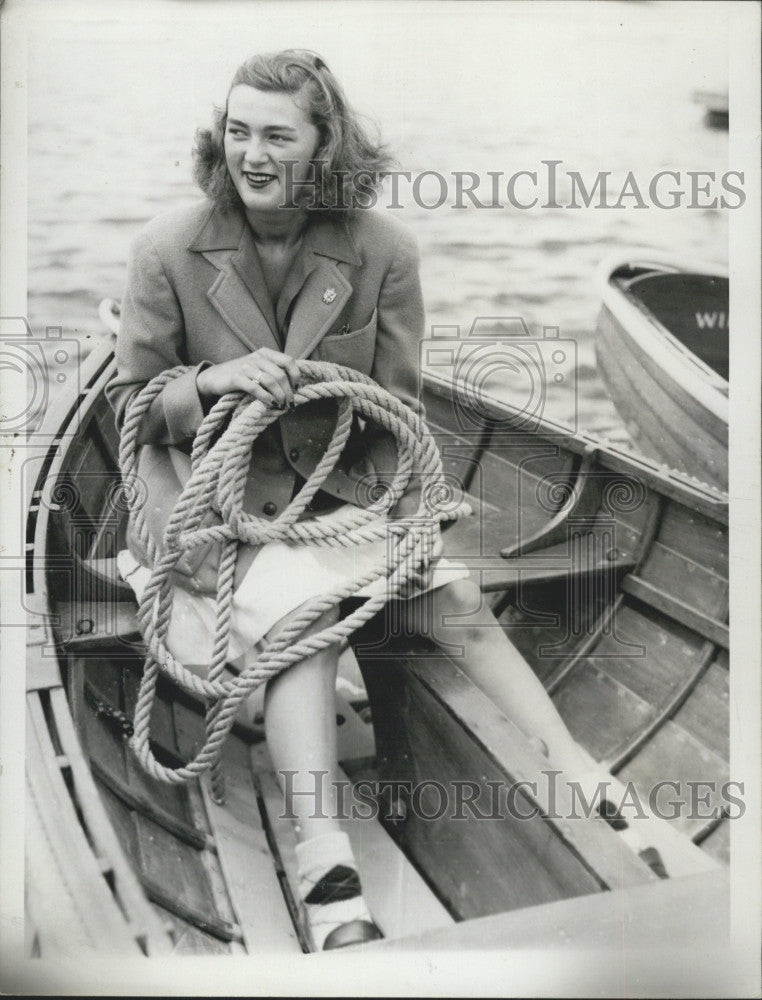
(315, 859)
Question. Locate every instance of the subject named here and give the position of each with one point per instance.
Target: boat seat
(98, 625)
(479, 541)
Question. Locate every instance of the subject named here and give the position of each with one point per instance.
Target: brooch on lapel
(329, 295)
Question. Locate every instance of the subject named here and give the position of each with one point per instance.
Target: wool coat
(196, 296)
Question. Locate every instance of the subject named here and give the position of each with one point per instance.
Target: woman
(262, 273)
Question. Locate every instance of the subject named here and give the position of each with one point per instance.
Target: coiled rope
(216, 486)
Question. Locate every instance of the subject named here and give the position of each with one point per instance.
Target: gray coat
(196, 296)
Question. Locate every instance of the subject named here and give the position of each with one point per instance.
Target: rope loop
(220, 460)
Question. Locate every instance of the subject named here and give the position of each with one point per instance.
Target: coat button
(269, 508)
(294, 454)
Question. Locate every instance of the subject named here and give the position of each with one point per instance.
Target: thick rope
(216, 486)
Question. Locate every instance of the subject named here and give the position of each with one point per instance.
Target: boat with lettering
(662, 347)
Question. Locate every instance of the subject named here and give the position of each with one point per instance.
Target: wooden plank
(689, 913)
(569, 640)
(174, 876)
(53, 904)
(675, 755)
(95, 626)
(189, 940)
(659, 424)
(440, 727)
(147, 807)
(706, 714)
(41, 672)
(197, 812)
(599, 712)
(552, 566)
(163, 894)
(706, 626)
(686, 580)
(101, 740)
(170, 801)
(666, 711)
(103, 835)
(695, 536)
(663, 653)
(247, 863)
(97, 917)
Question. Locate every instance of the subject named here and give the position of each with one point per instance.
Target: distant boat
(662, 349)
(716, 114)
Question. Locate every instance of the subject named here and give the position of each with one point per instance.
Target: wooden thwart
(250, 875)
(434, 727)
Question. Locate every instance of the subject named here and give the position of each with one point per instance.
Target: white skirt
(282, 577)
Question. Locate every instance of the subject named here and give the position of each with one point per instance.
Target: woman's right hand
(267, 375)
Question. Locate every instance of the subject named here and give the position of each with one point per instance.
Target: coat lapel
(323, 295)
(239, 293)
(316, 290)
(323, 290)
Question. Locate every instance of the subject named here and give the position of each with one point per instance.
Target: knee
(460, 597)
(460, 608)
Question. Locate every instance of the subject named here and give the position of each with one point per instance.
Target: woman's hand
(267, 375)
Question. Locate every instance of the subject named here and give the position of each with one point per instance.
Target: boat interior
(609, 574)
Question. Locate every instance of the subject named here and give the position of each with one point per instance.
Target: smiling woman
(236, 290)
(300, 100)
(260, 130)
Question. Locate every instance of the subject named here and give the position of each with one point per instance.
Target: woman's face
(263, 129)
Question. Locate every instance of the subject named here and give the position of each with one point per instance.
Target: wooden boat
(662, 349)
(607, 571)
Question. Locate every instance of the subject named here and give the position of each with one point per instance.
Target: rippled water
(480, 87)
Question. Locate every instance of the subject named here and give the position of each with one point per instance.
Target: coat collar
(326, 235)
(240, 296)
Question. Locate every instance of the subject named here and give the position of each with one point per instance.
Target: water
(480, 87)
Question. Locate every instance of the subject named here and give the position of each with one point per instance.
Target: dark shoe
(338, 884)
(353, 932)
(654, 861)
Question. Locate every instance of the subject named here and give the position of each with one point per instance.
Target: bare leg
(495, 665)
(300, 724)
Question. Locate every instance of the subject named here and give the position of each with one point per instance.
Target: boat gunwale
(661, 478)
(656, 340)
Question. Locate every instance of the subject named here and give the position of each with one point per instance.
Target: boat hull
(674, 409)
